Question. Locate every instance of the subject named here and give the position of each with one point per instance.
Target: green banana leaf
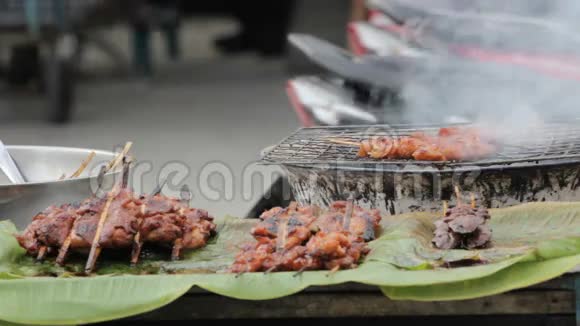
(514, 277)
(532, 243)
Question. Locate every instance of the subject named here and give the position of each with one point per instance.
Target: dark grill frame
(549, 144)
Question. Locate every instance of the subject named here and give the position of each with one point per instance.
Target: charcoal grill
(540, 164)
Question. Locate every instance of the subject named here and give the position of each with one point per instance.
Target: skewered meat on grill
(450, 144)
(301, 238)
(131, 221)
(463, 227)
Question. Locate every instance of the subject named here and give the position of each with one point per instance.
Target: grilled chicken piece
(329, 245)
(429, 153)
(337, 250)
(450, 144)
(407, 146)
(48, 229)
(158, 219)
(450, 131)
(119, 229)
(254, 258)
(353, 256)
(293, 224)
(376, 147)
(297, 259)
(362, 223)
(197, 226)
(299, 239)
(165, 220)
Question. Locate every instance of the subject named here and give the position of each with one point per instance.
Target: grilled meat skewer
(450, 144)
(310, 240)
(48, 229)
(463, 227)
(157, 219)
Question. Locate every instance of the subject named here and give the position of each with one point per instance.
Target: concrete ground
(204, 110)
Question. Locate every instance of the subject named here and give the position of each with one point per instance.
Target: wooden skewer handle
(458, 195)
(95, 246)
(83, 165)
(343, 142)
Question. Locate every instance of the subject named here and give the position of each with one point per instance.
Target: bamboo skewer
(333, 271)
(458, 195)
(343, 142)
(137, 241)
(117, 160)
(101, 177)
(81, 168)
(316, 211)
(176, 251)
(348, 214)
(178, 244)
(185, 195)
(41, 253)
(283, 229)
(136, 250)
(63, 251)
(270, 270)
(159, 187)
(95, 246)
(83, 165)
(445, 208)
(473, 204)
(282, 235)
(126, 169)
(95, 251)
(299, 272)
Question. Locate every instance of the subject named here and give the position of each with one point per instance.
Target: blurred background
(186, 81)
(202, 88)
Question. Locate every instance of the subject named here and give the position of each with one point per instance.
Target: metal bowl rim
(58, 148)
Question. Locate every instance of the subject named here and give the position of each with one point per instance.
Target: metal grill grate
(313, 146)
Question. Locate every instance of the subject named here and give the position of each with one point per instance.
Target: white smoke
(539, 38)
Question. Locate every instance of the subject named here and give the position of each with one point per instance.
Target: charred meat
(303, 238)
(292, 224)
(360, 222)
(131, 221)
(463, 227)
(450, 144)
(48, 229)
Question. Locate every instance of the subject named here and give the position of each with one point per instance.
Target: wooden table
(559, 297)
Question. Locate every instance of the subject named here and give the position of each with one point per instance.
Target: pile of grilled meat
(305, 238)
(463, 227)
(450, 144)
(131, 220)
